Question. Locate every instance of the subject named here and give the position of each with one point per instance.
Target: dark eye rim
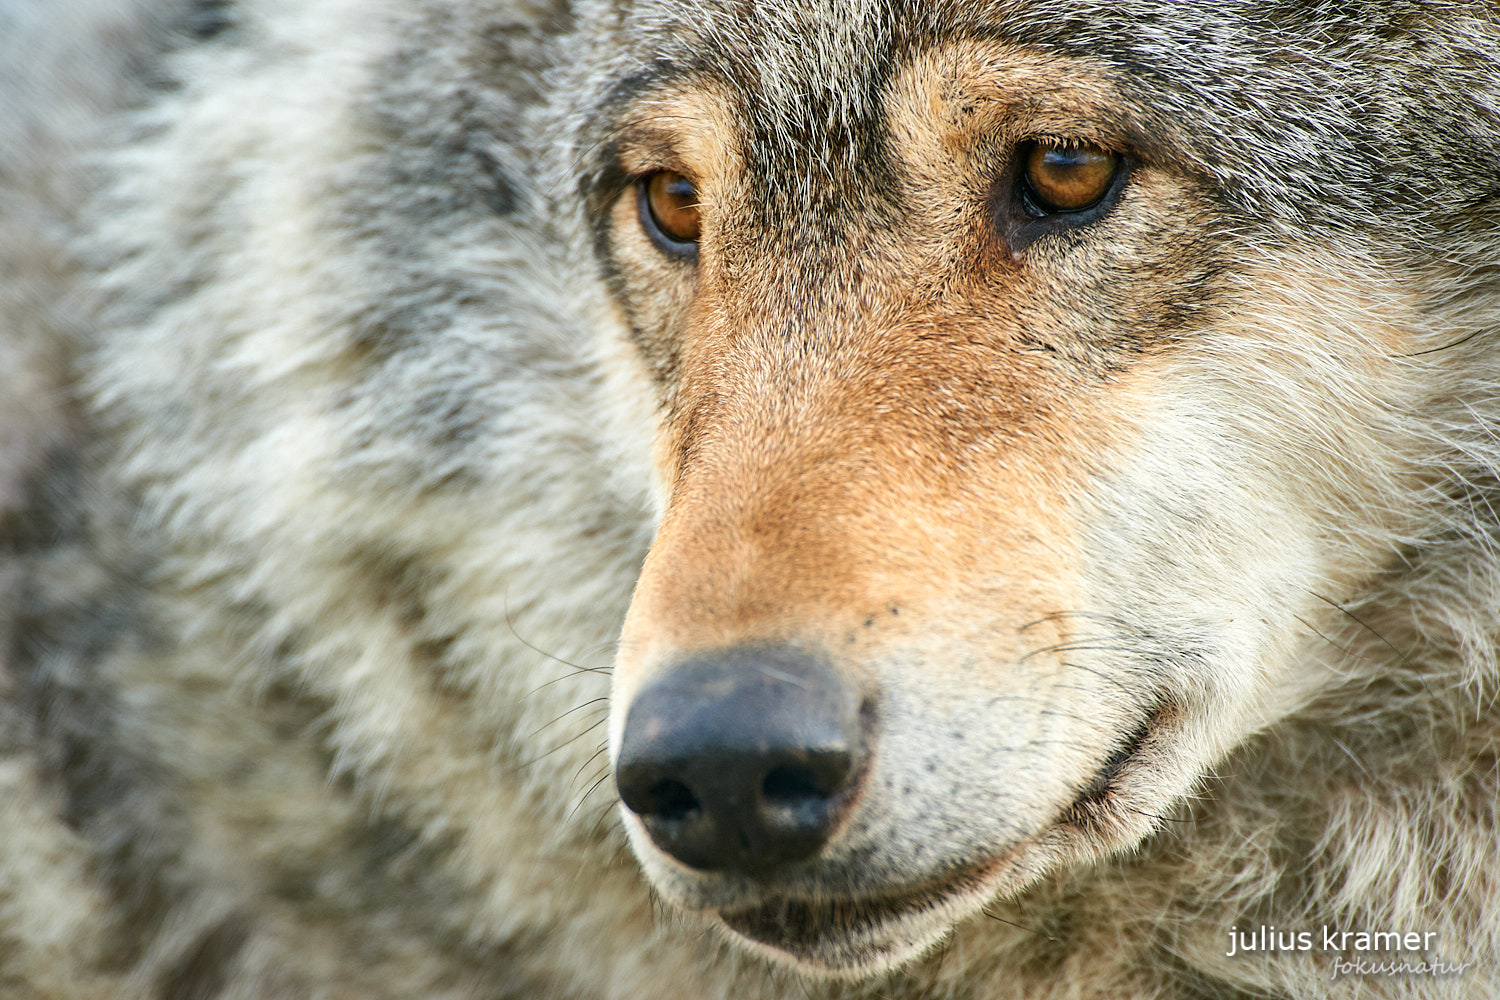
(686, 250)
(1023, 219)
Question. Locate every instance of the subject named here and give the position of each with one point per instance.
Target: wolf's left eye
(668, 205)
(1069, 178)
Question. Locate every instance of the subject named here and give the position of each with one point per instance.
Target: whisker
(510, 624)
(1314, 630)
(1445, 347)
(521, 767)
(1159, 817)
(563, 677)
(1062, 615)
(586, 704)
(604, 814)
(1012, 923)
(1405, 660)
(584, 797)
(1075, 645)
(1131, 695)
(603, 747)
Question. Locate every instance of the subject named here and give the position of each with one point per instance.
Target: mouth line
(1091, 806)
(802, 926)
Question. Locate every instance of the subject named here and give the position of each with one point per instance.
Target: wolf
(594, 499)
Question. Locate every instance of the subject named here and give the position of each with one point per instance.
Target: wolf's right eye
(669, 212)
(1068, 178)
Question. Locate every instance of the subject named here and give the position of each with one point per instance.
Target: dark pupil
(679, 191)
(1065, 162)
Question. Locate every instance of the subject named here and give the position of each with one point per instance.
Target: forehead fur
(1353, 115)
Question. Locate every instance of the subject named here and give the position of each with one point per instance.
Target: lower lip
(812, 929)
(792, 925)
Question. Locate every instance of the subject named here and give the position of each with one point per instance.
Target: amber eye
(669, 212)
(1067, 178)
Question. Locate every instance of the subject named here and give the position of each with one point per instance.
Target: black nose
(742, 760)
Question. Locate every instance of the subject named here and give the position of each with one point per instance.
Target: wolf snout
(744, 760)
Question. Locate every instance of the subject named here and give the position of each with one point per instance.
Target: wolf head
(1022, 405)
(1035, 388)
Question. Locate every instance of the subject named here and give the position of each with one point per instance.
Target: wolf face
(1019, 445)
(863, 465)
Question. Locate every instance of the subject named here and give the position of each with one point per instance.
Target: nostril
(669, 800)
(789, 784)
